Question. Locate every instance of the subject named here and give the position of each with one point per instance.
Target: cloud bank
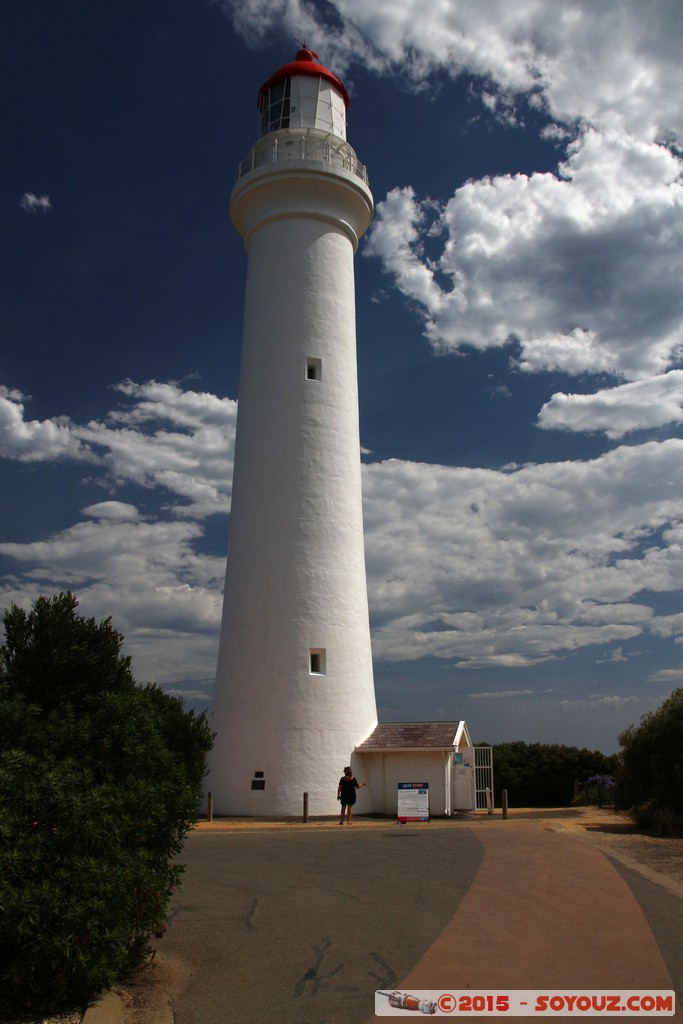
(178, 441)
(480, 568)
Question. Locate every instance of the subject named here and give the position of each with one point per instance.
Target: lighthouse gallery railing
(329, 150)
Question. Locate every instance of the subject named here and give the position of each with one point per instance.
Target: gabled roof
(416, 736)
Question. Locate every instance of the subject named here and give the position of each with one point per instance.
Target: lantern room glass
(303, 101)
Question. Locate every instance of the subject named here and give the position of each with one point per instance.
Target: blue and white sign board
(413, 801)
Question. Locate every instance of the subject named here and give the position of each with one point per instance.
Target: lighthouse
(294, 691)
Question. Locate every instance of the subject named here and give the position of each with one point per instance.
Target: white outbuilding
(434, 759)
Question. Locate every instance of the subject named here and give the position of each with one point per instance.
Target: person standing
(346, 793)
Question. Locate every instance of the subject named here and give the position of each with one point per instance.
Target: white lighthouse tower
(294, 688)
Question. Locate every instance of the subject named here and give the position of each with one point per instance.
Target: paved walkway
(544, 912)
(302, 923)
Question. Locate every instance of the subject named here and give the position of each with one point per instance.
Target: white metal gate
(483, 779)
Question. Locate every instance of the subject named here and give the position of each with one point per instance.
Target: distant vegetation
(648, 771)
(651, 775)
(100, 779)
(543, 774)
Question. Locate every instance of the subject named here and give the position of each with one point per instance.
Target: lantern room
(303, 94)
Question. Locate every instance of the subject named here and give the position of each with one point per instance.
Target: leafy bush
(597, 790)
(653, 817)
(100, 780)
(652, 757)
(543, 774)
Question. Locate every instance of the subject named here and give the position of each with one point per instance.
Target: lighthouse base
(279, 790)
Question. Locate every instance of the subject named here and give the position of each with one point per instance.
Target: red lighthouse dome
(303, 94)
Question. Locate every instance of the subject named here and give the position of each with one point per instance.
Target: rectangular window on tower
(317, 661)
(314, 369)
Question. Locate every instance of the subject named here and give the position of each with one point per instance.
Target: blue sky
(520, 332)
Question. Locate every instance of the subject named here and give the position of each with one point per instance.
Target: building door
(463, 781)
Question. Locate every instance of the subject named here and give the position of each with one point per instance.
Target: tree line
(647, 771)
(544, 774)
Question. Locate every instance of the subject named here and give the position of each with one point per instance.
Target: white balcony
(303, 145)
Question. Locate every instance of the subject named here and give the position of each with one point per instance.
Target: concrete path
(302, 923)
(544, 912)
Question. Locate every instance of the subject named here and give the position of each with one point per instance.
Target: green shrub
(100, 780)
(652, 757)
(652, 816)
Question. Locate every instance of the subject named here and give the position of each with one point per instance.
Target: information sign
(413, 801)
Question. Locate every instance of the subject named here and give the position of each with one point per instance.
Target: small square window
(258, 783)
(314, 368)
(317, 661)
(259, 775)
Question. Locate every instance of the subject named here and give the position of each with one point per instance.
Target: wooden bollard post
(209, 806)
(305, 807)
(504, 803)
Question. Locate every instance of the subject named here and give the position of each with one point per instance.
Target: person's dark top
(349, 784)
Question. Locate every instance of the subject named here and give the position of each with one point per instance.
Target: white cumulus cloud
(32, 203)
(507, 569)
(654, 402)
(579, 268)
(162, 437)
